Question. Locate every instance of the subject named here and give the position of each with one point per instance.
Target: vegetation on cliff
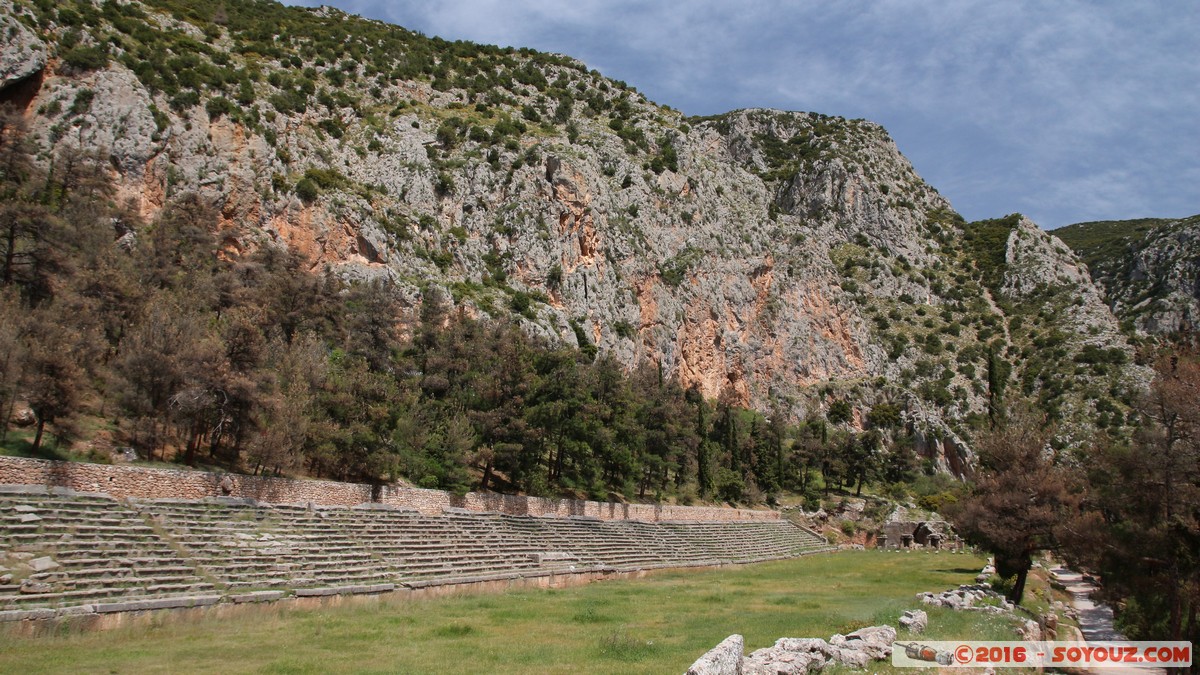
(256, 364)
(780, 261)
(1149, 268)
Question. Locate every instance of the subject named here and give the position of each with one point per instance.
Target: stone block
(30, 587)
(257, 596)
(157, 603)
(853, 658)
(42, 564)
(874, 641)
(26, 614)
(724, 659)
(805, 645)
(317, 592)
(772, 661)
(914, 620)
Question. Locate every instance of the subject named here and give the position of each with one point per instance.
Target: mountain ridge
(781, 260)
(1149, 269)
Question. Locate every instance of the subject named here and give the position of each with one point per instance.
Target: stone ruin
(65, 554)
(904, 534)
(798, 655)
(857, 650)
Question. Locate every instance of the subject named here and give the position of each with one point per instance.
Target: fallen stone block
(790, 655)
(874, 641)
(914, 620)
(42, 564)
(771, 661)
(724, 659)
(853, 658)
(806, 646)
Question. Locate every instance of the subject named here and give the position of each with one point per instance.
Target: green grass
(19, 443)
(658, 624)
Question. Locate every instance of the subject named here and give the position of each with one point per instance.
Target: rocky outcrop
(1149, 269)
(1036, 261)
(22, 53)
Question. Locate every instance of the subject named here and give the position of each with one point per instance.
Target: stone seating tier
(71, 554)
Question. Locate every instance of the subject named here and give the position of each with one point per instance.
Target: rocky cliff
(1149, 269)
(773, 258)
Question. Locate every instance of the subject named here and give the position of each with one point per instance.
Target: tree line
(1126, 509)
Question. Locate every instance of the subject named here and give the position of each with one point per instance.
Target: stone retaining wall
(146, 483)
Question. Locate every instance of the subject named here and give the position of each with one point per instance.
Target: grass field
(658, 624)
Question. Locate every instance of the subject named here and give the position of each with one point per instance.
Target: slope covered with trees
(255, 363)
(789, 262)
(285, 239)
(1126, 509)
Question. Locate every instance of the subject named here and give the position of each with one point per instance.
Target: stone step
(354, 589)
(78, 596)
(137, 605)
(258, 582)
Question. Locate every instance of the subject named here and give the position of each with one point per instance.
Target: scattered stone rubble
(914, 620)
(798, 655)
(726, 657)
(968, 596)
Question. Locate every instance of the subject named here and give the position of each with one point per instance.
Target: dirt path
(1095, 619)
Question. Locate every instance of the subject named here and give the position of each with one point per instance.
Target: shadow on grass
(22, 447)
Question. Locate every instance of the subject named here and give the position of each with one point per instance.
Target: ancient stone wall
(147, 483)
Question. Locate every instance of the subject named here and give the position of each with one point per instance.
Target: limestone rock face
(118, 122)
(1037, 261)
(1149, 269)
(781, 260)
(1169, 260)
(1034, 258)
(22, 53)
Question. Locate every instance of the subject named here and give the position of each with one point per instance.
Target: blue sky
(1065, 111)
